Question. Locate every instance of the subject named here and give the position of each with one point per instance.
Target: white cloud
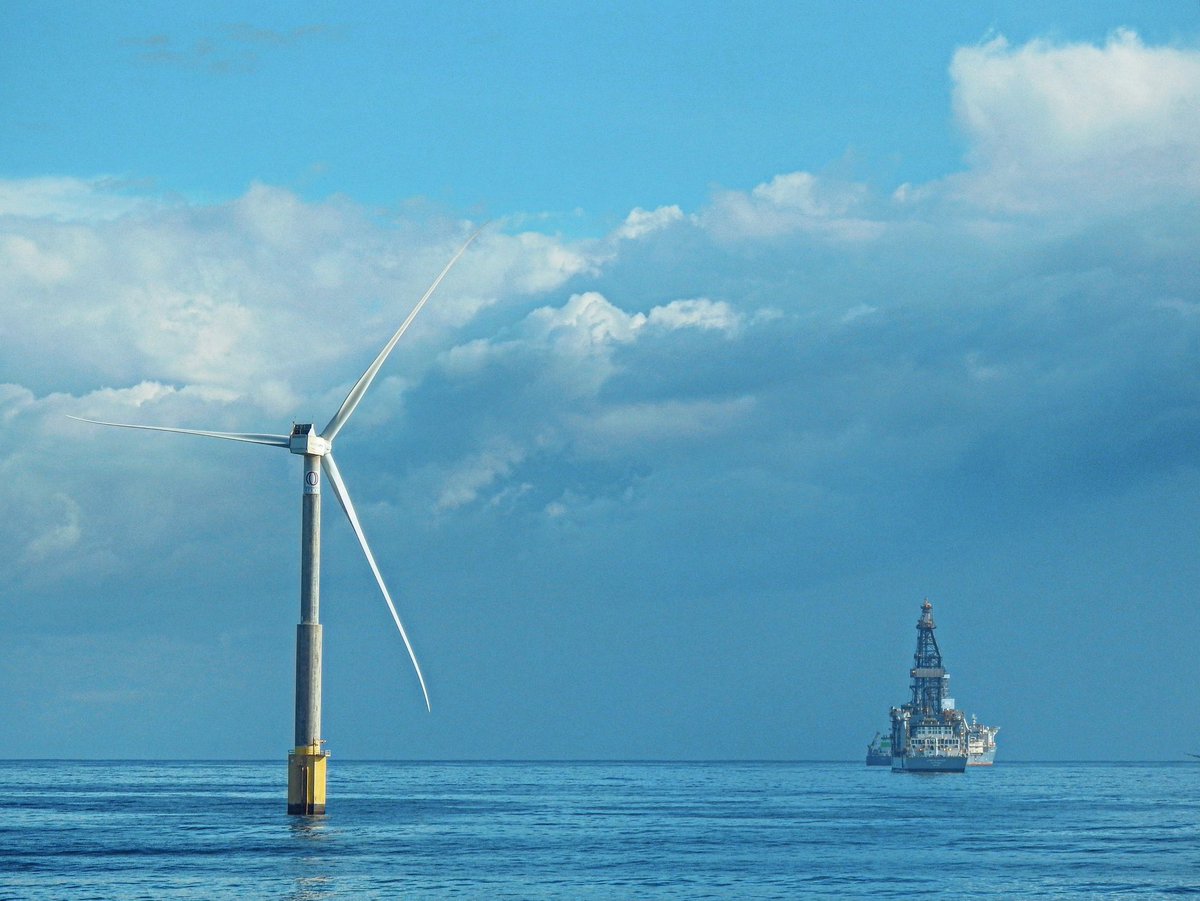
(577, 341)
(1078, 125)
(699, 313)
(789, 203)
(529, 262)
(266, 290)
(640, 223)
(125, 402)
(71, 199)
(25, 260)
(558, 362)
(134, 396)
(471, 476)
(586, 324)
(57, 537)
(1058, 129)
(747, 402)
(798, 192)
(14, 399)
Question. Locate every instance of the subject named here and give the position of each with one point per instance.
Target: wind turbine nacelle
(305, 440)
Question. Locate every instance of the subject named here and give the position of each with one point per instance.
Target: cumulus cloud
(578, 341)
(238, 315)
(796, 386)
(793, 202)
(264, 289)
(1057, 126)
(585, 325)
(640, 223)
(1058, 129)
(699, 313)
(230, 314)
(559, 364)
(588, 323)
(62, 198)
(574, 341)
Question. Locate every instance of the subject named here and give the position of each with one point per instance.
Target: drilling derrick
(928, 676)
(928, 734)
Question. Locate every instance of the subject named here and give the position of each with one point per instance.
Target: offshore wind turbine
(307, 761)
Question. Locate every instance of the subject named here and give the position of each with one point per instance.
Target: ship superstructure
(928, 734)
(981, 744)
(879, 751)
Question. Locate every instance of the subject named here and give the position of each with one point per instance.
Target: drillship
(928, 734)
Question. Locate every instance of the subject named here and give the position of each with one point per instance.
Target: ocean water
(205, 830)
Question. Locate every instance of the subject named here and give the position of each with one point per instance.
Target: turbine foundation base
(306, 780)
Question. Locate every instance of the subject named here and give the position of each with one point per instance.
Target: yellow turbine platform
(306, 780)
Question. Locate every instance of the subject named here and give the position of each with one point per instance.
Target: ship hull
(946, 764)
(985, 758)
(879, 760)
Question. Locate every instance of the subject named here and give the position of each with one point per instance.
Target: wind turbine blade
(360, 387)
(273, 440)
(339, 489)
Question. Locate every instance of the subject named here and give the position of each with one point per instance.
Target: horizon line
(1187, 758)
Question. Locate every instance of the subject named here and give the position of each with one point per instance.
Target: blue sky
(530, 107)
(786, 318)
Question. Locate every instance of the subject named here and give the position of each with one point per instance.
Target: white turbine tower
(307, 762)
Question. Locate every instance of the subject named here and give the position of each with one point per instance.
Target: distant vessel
(879, 751)
(929, 734)
(981, 744)
(930, 745)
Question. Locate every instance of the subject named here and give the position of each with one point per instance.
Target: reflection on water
(313, 888)
(309, 828)
(313, 880)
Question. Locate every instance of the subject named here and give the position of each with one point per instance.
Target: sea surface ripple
(116, 830)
